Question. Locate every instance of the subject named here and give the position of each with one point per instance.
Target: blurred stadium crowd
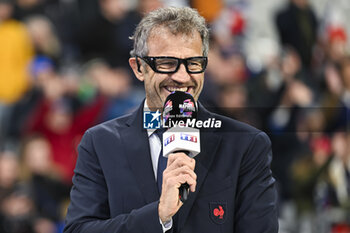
(64, 68)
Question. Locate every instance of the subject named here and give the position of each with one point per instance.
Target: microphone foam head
(179, 106)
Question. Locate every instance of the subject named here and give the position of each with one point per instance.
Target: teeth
(171, 89)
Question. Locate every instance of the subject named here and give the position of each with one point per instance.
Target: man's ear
(136, 68)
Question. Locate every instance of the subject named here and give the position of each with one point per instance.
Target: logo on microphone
(188, 137)
(169, 139)
(187, 108)
(151, 120)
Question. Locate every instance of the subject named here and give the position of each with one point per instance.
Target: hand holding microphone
(179, 113)
(180, 144)
(180, 170)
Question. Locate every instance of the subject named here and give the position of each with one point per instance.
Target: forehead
(162, 42)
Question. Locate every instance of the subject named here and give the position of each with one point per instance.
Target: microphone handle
(183, 192)
(184, 188)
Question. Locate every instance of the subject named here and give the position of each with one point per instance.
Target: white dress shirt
(155, 146)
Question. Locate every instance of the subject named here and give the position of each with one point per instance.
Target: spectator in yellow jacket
(16, 53)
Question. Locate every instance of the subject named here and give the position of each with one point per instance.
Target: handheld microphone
(179, 114)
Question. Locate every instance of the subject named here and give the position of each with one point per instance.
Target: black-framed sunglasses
(170, 65)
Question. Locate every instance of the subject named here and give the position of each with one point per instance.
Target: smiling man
(166, 44)
(115, 182)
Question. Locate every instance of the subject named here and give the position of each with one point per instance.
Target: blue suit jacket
(114, 189)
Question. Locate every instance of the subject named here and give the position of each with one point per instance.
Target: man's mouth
(172, 89)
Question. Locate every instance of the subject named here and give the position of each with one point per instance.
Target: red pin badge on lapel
(218, 212)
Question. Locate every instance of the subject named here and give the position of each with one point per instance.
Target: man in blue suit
(115, 182)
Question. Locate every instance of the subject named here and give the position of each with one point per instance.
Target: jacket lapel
(138, 153)
(210, 142)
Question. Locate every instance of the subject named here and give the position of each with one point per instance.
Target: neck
(151, 107)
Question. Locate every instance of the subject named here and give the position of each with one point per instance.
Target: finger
(180, 164)
(185, 178)
(180, 176)
(172, 157)
(179, 161)
(177, 181)
(179, 171)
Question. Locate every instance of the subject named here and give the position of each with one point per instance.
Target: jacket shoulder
(110, 125)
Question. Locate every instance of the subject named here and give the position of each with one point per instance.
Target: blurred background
(282, 66)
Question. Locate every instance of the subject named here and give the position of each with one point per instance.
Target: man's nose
(181, 75)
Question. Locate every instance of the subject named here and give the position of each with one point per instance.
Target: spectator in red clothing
(63, 128)
(54, 116)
